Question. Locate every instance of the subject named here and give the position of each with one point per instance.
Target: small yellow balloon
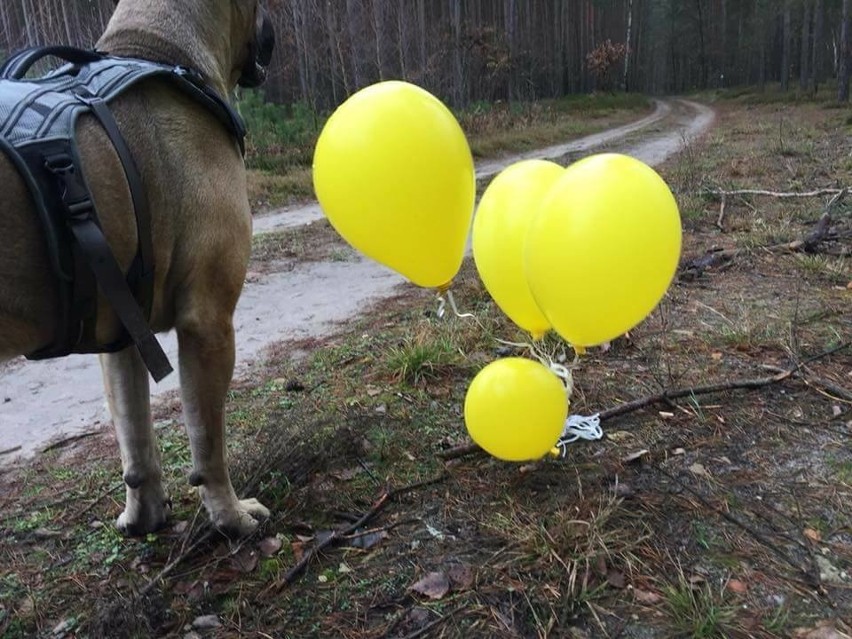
(603, 249)
(499, 236)
(394, 174)
(516, 409)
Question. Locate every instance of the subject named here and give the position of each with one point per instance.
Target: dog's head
(260, 46)
(247, 49)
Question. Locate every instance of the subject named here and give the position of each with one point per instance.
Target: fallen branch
(778, 194)
(713, 258)
(811, 380)
(342, 533)
(669, 395)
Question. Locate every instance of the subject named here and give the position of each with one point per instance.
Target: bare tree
(786, 49)
(843, 66)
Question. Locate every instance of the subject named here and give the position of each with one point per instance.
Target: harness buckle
(75, 194)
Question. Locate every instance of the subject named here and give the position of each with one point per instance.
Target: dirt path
(41, 401)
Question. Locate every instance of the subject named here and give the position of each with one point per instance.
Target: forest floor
(718, 514)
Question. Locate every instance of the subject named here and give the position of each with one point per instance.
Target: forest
(488, 50)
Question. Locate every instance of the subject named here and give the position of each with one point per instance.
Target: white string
(579, 427)
(445, 297)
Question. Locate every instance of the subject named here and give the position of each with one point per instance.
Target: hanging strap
(80, 217)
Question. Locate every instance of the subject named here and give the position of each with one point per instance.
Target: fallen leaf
(368, 540)
(206, 622)
(461, 576)
(269, 546)
(298, 548)
(632, 457)
(244, 561)
(343, 569)
(619, 436)
(435, 585)
(647, 597)
(347, 474)
(813, 535)
(737, 586)
(823, 630)
(372, 391)
(616, 579)
(716, 356)
(698, 469)
(437, 534)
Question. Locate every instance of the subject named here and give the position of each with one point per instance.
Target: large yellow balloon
(394, 175)
(499, 235)
(516, 409)
(603, 249)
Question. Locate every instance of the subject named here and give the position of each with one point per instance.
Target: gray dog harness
(37, 132)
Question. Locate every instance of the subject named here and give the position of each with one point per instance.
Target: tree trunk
(510, 36)
(804, 66)
(628, 43)
(816, 66)
(458, 77)
(843, 67)
(786, 50)
(703, 49)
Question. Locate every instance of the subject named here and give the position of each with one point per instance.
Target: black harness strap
(142, 268)
(82, 221)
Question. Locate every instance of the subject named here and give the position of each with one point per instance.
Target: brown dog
(195, 179)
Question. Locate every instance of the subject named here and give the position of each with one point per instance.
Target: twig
(7, 451)
(434, 623)
(165, 572)
(96, 500)
(809, 378)
(388, 495)
(755, 534)
(666, 396)
(69, 440)
(722, 213)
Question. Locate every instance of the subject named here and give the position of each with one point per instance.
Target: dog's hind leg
(206, 342)
(126, 383)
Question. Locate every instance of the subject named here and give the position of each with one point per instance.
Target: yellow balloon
(603, 248)
(394, 175)
(516, 409)
(499, 236)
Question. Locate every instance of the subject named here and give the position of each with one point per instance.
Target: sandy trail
(42, 401)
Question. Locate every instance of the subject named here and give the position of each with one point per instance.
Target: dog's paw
(242, 520)
(146, 511)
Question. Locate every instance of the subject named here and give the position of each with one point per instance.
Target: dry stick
(434, 623)
(388, 495)
(808, 378)
(165, 572)
(96, 500)
(69, 440)
(810, 579)
(778, 194)
(666, 396)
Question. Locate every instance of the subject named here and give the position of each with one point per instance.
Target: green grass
(695, 610)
